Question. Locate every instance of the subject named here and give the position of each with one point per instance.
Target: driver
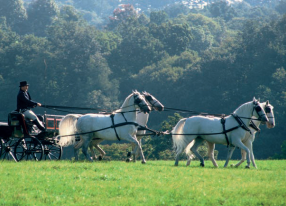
(25, 104)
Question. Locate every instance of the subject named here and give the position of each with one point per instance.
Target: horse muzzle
(269, 125)
(160, 109)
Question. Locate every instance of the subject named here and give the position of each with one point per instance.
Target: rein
(102, 111)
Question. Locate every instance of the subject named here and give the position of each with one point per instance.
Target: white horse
(142, 119)
(213, 130)
(120, 125)
(247, 140)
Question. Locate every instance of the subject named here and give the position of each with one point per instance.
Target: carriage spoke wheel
(7, 149)
(52, 152)
(29, 148)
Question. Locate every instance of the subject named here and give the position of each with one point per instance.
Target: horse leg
(243, 158)
(86, 142)
(102, 153)
(76, 154)
(95, 143)
(93, 155)
(137, 154)
(190, 157)
(229, 154)
(198, 142)
(131, 154)
(178, 152)
(248, 144)
(239, 144)
(211, 148)
(137, 146)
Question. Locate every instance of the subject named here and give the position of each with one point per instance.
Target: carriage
(20, 139)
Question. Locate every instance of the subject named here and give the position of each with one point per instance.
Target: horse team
(235, 130)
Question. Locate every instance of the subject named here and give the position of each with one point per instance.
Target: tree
(15, 14)
(281, 7)
(223, 10)
(40, 15)
(121, 14)
(158, 17)
(77, 62)
(175, 37)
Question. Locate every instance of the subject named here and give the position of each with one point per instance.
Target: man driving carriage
(25, 104)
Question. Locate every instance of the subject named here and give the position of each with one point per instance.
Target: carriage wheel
(28, 148)
(52, 152)
(7, 149)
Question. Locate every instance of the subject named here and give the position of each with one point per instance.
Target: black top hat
(23, 83)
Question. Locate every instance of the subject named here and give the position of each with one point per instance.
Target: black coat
(24, 101)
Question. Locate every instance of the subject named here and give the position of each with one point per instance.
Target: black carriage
(21, 139)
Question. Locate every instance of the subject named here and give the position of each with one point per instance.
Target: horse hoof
(232, 165)
(202, 164)
(247, 167)
(128, 160)
(143, 162)
(100, 158)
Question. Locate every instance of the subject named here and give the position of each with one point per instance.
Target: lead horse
(229, 130)
(119, 125)
(142, 119)
(247, 140)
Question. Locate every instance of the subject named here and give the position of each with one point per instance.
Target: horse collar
(241, 123)
(252, 125)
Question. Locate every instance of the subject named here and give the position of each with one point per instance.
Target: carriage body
(21, 140)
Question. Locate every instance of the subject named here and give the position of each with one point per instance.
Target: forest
(93, 53)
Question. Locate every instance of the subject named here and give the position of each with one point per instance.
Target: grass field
(155, 183)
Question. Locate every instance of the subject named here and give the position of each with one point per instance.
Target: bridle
(258, 109)
(151, 101)
(139, 101)
(268, 111)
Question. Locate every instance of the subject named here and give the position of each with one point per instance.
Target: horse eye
(268, 110)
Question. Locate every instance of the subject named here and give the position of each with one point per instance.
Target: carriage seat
(17, 120)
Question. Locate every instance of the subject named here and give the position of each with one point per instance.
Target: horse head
(259, 111)
(155, 104)
(268, 108)
(139, 100)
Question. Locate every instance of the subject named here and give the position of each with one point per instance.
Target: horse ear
(258, 99)
(254, 100)
(267, 102)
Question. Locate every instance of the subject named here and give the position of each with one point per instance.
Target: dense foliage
(208, 60)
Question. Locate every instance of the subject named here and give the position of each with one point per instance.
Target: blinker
(258, 109)
(267, 110)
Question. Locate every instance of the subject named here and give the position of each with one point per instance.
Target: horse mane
(243, 107)
(126, 101)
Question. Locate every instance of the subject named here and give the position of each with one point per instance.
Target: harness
(120, 124)
(240, 124)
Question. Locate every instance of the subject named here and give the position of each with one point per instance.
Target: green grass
(155, 183)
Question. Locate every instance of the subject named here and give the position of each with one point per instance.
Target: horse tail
(67, 130)
(179, 142)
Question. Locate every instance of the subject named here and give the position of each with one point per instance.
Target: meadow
(155, 183)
